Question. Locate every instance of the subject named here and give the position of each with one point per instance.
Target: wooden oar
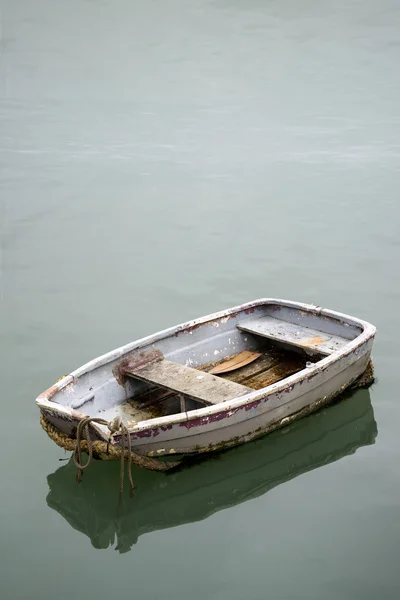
(238, 361)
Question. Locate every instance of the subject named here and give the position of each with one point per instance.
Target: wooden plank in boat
(262, 364)
(192, 383)
(273, 375)
(236, 362)
(294, 334)
(267, 368)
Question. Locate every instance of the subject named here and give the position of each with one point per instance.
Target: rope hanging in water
(114, 426)
(103, 450)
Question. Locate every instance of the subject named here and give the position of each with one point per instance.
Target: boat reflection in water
(195, 492)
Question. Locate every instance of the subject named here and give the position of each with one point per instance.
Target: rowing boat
(215, 382)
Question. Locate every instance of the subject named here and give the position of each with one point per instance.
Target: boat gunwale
(44, 400)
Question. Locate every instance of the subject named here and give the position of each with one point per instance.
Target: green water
(160, 161)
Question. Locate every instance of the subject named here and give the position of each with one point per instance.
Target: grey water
(161, 160)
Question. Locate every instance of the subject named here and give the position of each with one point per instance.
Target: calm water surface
(160, 161)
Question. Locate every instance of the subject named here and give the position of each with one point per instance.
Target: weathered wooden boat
(214, 382)
(165, 500)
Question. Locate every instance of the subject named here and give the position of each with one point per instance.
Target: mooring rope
(114, 426)
(103, 450)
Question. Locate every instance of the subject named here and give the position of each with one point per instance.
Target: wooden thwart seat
(198, 385)
(294, 334)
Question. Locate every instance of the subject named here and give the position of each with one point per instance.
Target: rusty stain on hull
(49, 393)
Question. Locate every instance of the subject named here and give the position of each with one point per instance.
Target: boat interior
(248, 354)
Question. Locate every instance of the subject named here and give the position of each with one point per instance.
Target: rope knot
(115, 425)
